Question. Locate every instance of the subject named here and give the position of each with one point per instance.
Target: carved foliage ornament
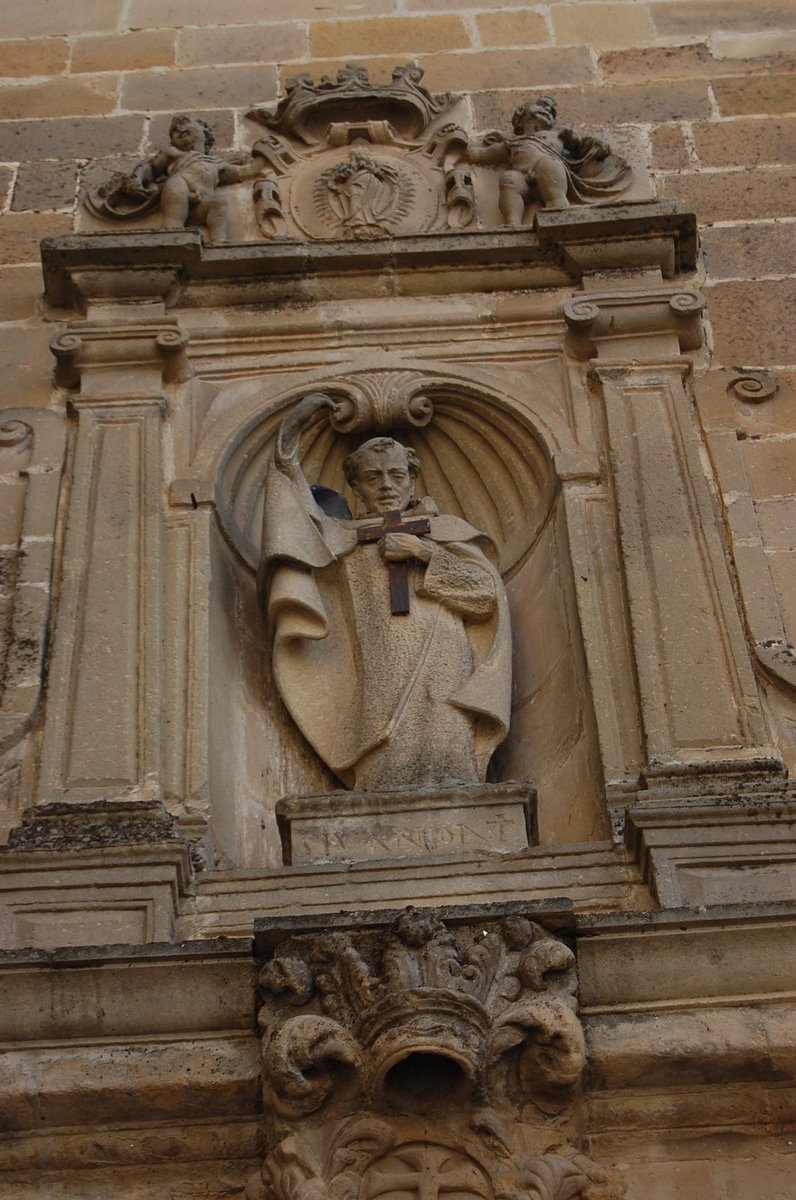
(506, 994)
(396, 1062)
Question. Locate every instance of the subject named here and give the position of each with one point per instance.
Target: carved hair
(542, 105)
(379, 445)
(185, 118)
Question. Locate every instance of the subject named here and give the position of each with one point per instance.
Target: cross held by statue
(399, 571)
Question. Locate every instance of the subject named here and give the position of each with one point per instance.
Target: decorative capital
(639, 325)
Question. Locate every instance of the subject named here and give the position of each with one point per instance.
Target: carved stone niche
(484, 458)
(410, 1055)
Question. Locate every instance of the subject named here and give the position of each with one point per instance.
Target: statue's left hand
(398, 547)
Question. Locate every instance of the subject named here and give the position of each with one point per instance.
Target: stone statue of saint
(391, 641)
(551, 162)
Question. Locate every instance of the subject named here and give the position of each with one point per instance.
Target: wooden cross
(399, 571)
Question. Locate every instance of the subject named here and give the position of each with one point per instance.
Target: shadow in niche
(424, 1082)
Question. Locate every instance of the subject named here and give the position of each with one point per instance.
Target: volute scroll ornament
(423, 1057)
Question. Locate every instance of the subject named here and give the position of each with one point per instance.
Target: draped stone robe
(386, 701)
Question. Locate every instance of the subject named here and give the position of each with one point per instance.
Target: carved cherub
(552, 162)
(184, 178)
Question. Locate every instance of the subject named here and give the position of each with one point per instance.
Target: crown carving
(492, 1003)
(309, 108)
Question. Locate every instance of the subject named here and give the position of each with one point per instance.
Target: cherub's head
(190, 133)
(534, 114)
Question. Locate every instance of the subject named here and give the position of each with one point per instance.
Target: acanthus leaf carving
(570, 1176)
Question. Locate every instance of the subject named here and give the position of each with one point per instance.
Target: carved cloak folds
(386, 701)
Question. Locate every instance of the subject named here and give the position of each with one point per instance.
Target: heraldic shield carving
(390, 170)
(418, 1057)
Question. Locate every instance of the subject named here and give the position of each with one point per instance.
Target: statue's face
(533, 120)
(383, 480)
(186, 135)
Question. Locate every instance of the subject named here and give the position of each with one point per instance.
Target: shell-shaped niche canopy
(480, 458)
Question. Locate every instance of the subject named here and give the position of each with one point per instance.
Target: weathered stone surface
(751, 251)
(59, 18)
(770, 93)
(197, 88)
(65, 137)
(104, 823)
(655, 101)
(199, 47)
(749, 322)
(123, 52)
(170, 14)
(512, 29)
(21, 235)
(44, 56)
(602, 26)
(59, 98)
(360, 827)
(389, 35)
(24, 357)
(689, 60)
(426, 1019)
(514, 258)
(752, 142)
(702, 17)
(688, 1014)
(7, 175)
(734, 195)
(20, 292)
(46, 185)
(489, 69)
(669, 149)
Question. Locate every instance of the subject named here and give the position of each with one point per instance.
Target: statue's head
(382, 474)
(189, 133)
(539, 113)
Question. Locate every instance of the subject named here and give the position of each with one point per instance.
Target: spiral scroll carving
(687, 303)
(14, 433)
(753, 389)
(380, 402)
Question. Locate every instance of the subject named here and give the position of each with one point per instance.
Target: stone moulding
(171, 266)
(32, 447)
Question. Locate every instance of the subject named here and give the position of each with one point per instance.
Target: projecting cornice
(179, 268)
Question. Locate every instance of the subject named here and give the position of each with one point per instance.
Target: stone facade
(548, 249)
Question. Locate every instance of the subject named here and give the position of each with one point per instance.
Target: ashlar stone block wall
(710, 82)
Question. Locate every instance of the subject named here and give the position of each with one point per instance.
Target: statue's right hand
(306, 409)
(303, 413)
